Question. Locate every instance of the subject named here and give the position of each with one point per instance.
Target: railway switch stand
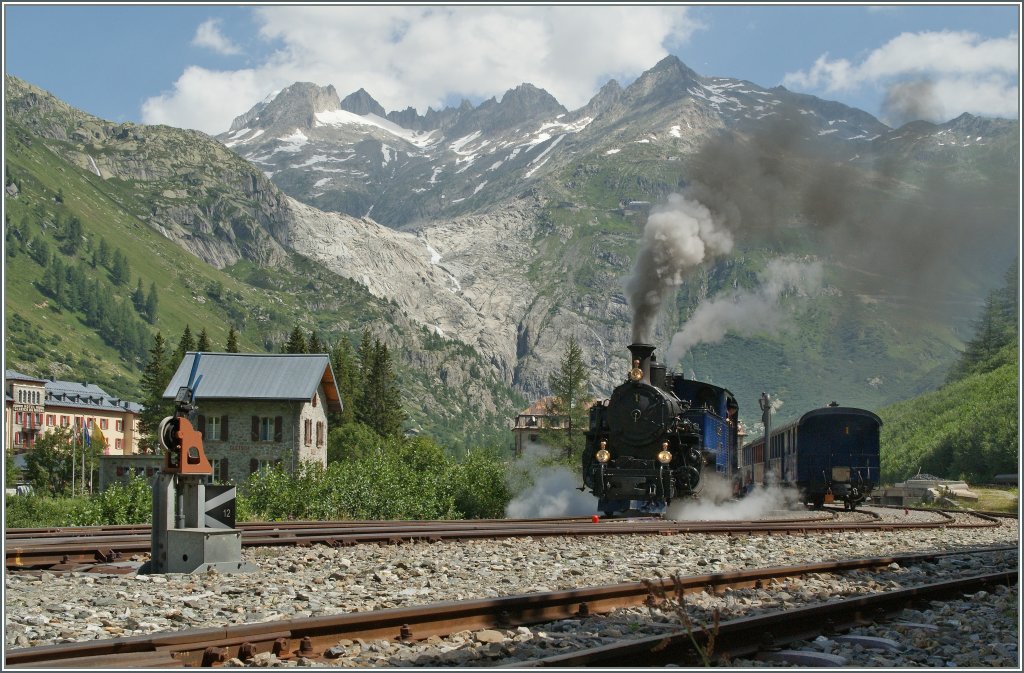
(193, 521)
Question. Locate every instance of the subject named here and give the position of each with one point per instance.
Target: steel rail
(747, 636)
(313, 637)
(65, 553)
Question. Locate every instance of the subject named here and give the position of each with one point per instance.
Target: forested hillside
(969, 427)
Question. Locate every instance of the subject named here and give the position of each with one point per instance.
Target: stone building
(256, 410)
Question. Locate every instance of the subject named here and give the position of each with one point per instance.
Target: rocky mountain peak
(517, 106)
(667, 80)
(362, 103)
(294, 107)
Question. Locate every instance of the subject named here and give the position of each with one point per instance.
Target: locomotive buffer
(193, 522)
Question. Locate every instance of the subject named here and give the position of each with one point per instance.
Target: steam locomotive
(655, 438)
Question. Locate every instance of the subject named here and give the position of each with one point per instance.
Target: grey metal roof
(86, 396)
(258, 376)
(12, 375)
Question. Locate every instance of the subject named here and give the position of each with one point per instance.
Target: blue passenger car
(829, 454)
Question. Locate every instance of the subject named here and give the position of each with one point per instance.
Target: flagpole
(74, 438)
(83, 462)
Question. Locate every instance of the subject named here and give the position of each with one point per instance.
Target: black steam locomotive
(656, 436)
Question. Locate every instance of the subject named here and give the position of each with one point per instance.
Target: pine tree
(346, 374)
(315, 345)
(381, 404)
(119, 272)
(103, 253)
(151, 302)
(296, 342)
(203, 343)
(995, 330)
(186, 344)
(139, 297)
(566, 412)
(232, 345)
(155, 378)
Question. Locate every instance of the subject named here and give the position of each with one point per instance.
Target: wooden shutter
(255, 428)
(319, 433)
(201, 420)
(224, 470)
(278, 434)
(254, 465)
(224, 427)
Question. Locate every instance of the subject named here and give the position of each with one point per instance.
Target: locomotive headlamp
(603, 456)
(635, 374)
(664, 456)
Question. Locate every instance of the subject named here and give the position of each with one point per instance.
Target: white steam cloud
(715, 503)
(678, 236)
(546, 490)
(747, 311)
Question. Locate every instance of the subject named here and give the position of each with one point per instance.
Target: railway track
(320, 639)
(112, 548)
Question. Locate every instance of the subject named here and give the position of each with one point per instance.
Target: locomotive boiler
(653, 440)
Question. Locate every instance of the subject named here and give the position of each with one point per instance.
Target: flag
(87, 437)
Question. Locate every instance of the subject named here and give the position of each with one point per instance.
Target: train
(829, 454)
(661, 436)
(656, 438)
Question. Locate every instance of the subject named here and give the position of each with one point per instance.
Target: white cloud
(208, 35)
(424, 55)
(965, 72)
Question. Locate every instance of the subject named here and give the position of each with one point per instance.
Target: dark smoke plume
(911, 101)
(885, 225)
(678, 236)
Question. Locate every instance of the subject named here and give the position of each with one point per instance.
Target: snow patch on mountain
(293, 143)
(344, 118)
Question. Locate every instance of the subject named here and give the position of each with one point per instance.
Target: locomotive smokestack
(643, 353)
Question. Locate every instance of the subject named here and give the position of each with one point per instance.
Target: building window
(266, 428)
(39, 420)
(118, 445)
(65, 421)
(212, 427)
(17, 417)
(17, 439)
(119, 425)
(103, 424)
(51, 420)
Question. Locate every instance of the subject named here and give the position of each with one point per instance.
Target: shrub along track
(110, 548)
(317, 638)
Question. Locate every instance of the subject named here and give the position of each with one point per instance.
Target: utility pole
(766, 417)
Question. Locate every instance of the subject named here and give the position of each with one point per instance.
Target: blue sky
(199, 66)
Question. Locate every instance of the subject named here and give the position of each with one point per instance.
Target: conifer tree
(346, 374)
(314, 345)
(296, 342)
(203, 343)
(139, 297)
(232, 345)
(151, 302)
(566, 412)
(185, 344)
(381, 404)
(155, 378)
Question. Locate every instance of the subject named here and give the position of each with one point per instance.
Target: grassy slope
(967, 429)
(264, 304)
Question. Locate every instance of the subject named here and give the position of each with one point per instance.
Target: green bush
(127, 503)
(404, 478)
